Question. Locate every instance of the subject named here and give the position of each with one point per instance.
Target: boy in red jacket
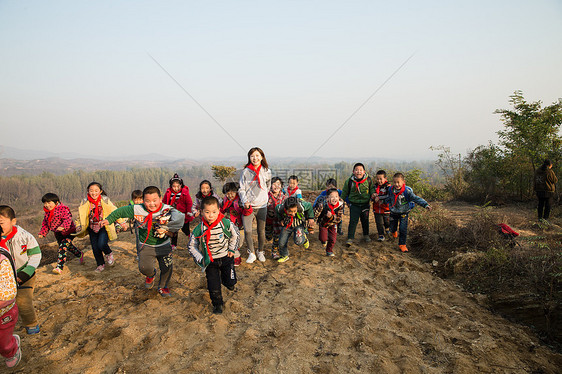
(59, 220)
(177, 196)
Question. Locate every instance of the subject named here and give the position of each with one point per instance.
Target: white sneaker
(251, 258)
(261, 257)
(110, 259)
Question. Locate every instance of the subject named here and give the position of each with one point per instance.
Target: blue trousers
(395, 220)
(100, 246)
(299, 236)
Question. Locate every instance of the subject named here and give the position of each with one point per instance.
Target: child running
(234, 211)
(294, 214)
(380, 208)
(401, 200)
(330, 183)
(328, 215)
(94, 209)
(59, 220)
(213, 244)
(272, 226)
(26, 254)
(255, 182)
(205, 190)
(177, 196)
(157, 223)
(10, 345)
(358, 190)
(293, 187)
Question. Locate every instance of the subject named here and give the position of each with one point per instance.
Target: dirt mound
(370, 309)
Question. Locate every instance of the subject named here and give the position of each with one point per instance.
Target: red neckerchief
(174, 196)
(207, 234)
(3, 241)
(332, 207)
(96, 204)
(292, 218)
(228, 204)
(399, 192)
(293, 191)
(148, 221)
(51, 214)
(257, 171)
(276, 201)
(357, 183)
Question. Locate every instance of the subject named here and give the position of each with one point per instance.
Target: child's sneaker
(324, 244)
(349, 242)
(217, 309)
(100, 268)
(403, 248)
(237, 261)
(251, 258)
(275, 255)
(367, 238)
(330, 254)
(149, 282)
(381, 238)
(57, 271)
(261, 256)
(306, 244)
(394, 234)
(110, 259)
(81, 261)
(15, 359)
(164, 292)
(33, 330)
(283, 259)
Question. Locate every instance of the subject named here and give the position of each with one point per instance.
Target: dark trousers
(383, 222)
(65, 244)
(220, 271)
(329, 235)
(356, 213)
(147, 254)
(402, 220)
(184, 229)
(100, 246)
(545, 199)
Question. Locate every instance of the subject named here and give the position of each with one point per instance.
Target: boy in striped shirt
(212, 244)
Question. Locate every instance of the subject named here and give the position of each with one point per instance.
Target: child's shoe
(57, 270)
(381, 238)
(403, 248)
(110, 259)
(15, 359)
(261, 256)
(395, 234)
(164, 292)
(330, 254)
(33, 330)
(231, 288)
(100, 268)
(349, 242)
(275, 255)
(149, 282)
(251, 258)
(81, 261)
(283, 259)
(367, 238)
(217, 309)
(237, 261)
(306, 244)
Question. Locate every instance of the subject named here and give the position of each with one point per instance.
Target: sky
(78, 76)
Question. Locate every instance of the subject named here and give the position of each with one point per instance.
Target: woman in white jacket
(255, 183)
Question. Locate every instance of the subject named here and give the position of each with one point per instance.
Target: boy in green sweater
(357, 192)
(157, 222)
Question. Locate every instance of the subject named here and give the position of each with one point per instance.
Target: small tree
(452, 166)
(222, 173)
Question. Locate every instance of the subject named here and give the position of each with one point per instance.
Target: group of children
(215, 240)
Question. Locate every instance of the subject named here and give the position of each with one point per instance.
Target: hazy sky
(76, 76)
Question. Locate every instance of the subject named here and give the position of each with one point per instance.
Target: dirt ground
(370, 309)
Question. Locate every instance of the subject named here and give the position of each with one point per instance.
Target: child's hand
(230, 254)
(124, 226)
(104, 223)
(374, 196)
(40, 236)
(377, 199)
(60, 228)
(196, 214)
(247, 205)
(329, 214)
(428, 207)
(161, 231)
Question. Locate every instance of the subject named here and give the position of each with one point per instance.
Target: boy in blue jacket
(401, 199)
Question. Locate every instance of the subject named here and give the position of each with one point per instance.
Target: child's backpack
(6, 253)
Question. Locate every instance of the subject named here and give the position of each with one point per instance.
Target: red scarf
(148, 220)
(291, 192)
(207, 234)
(3, 241)
(332, 207)
(399, 193)
(174, 196)
(357, 183)
(257, 171)
(51, 214)
(292, 219)
(276, 201)
(96, 203)
(228, 204)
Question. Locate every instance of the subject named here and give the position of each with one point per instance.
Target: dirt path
(370, 309)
